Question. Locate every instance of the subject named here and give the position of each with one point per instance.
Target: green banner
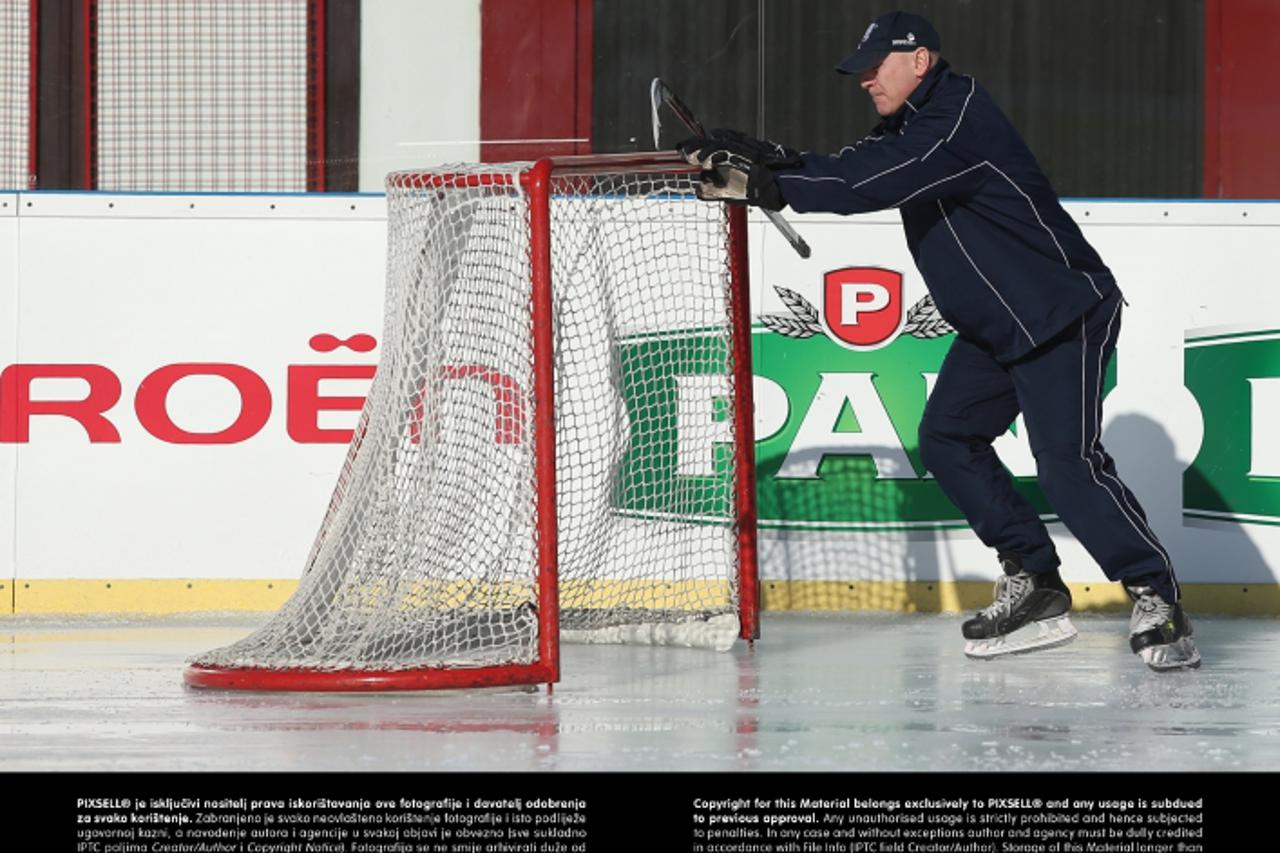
(836, 432)
(1235, 378)
(847, 455)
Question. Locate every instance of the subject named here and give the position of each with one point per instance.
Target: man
(1036, 312)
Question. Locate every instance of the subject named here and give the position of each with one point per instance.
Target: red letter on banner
(508, 401)
(305, 402)
(17, 407)
(153, 394)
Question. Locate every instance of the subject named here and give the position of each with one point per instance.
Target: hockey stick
(660, 93)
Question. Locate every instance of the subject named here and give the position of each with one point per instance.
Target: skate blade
(1029, 638)
(1182, 654)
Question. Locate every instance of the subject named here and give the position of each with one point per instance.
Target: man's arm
(924, 163)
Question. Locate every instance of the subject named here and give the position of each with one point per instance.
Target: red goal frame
(537, 181)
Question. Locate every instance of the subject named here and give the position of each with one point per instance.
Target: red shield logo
(862, 306)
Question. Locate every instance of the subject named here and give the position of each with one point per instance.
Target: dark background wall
(1118, 98)
(1108, 94)
(65, 117)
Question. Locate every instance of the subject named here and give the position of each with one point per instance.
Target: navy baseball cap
(892, 33)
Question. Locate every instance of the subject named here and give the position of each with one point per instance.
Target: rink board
(219, 299)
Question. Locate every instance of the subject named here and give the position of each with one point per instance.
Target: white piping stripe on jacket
(866, 140)
(1097, 434)
(935, 183)
(1034, 211)
(1091, 284)
(972, 87)
(946, 219)
(1065, 261)
(1052, 236)
(882, 174)
(842, 180)
(1126, 510)
(812, 180)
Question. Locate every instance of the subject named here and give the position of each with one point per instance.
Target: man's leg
(1059, 387)
(973, 402)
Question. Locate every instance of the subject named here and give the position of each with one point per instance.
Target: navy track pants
(1058, 389)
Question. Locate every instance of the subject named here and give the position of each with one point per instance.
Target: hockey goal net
(556, 444)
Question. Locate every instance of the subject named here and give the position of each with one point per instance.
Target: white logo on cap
(867, 34)
(909, 40)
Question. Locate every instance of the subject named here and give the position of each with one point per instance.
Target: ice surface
(866, 691)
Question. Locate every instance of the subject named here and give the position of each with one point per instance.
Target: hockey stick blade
(660, 93)
(655, 101)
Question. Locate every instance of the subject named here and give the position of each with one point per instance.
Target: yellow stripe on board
(158, 597)
(153, 597)
(685, 595)
(961, 596)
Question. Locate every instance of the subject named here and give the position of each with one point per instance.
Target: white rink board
(8, 355)
(1182, 266)
(135, 283)
(123, 283)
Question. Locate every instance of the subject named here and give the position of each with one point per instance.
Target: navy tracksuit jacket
(1036, 311)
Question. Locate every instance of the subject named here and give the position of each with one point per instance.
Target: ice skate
(1029, 613)
(1159, 632)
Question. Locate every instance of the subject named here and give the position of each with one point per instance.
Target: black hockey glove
(733, 144)
(754, 186)
(739, 168)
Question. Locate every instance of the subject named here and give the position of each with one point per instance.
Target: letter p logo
(857, 298)
(862, 306)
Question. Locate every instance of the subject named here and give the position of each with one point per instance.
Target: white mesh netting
(203, 95)
(428, 554)
(15, 93)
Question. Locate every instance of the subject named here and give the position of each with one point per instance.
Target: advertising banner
(850, 517)
(1234, 374)
(187, 373)
(181, 376)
